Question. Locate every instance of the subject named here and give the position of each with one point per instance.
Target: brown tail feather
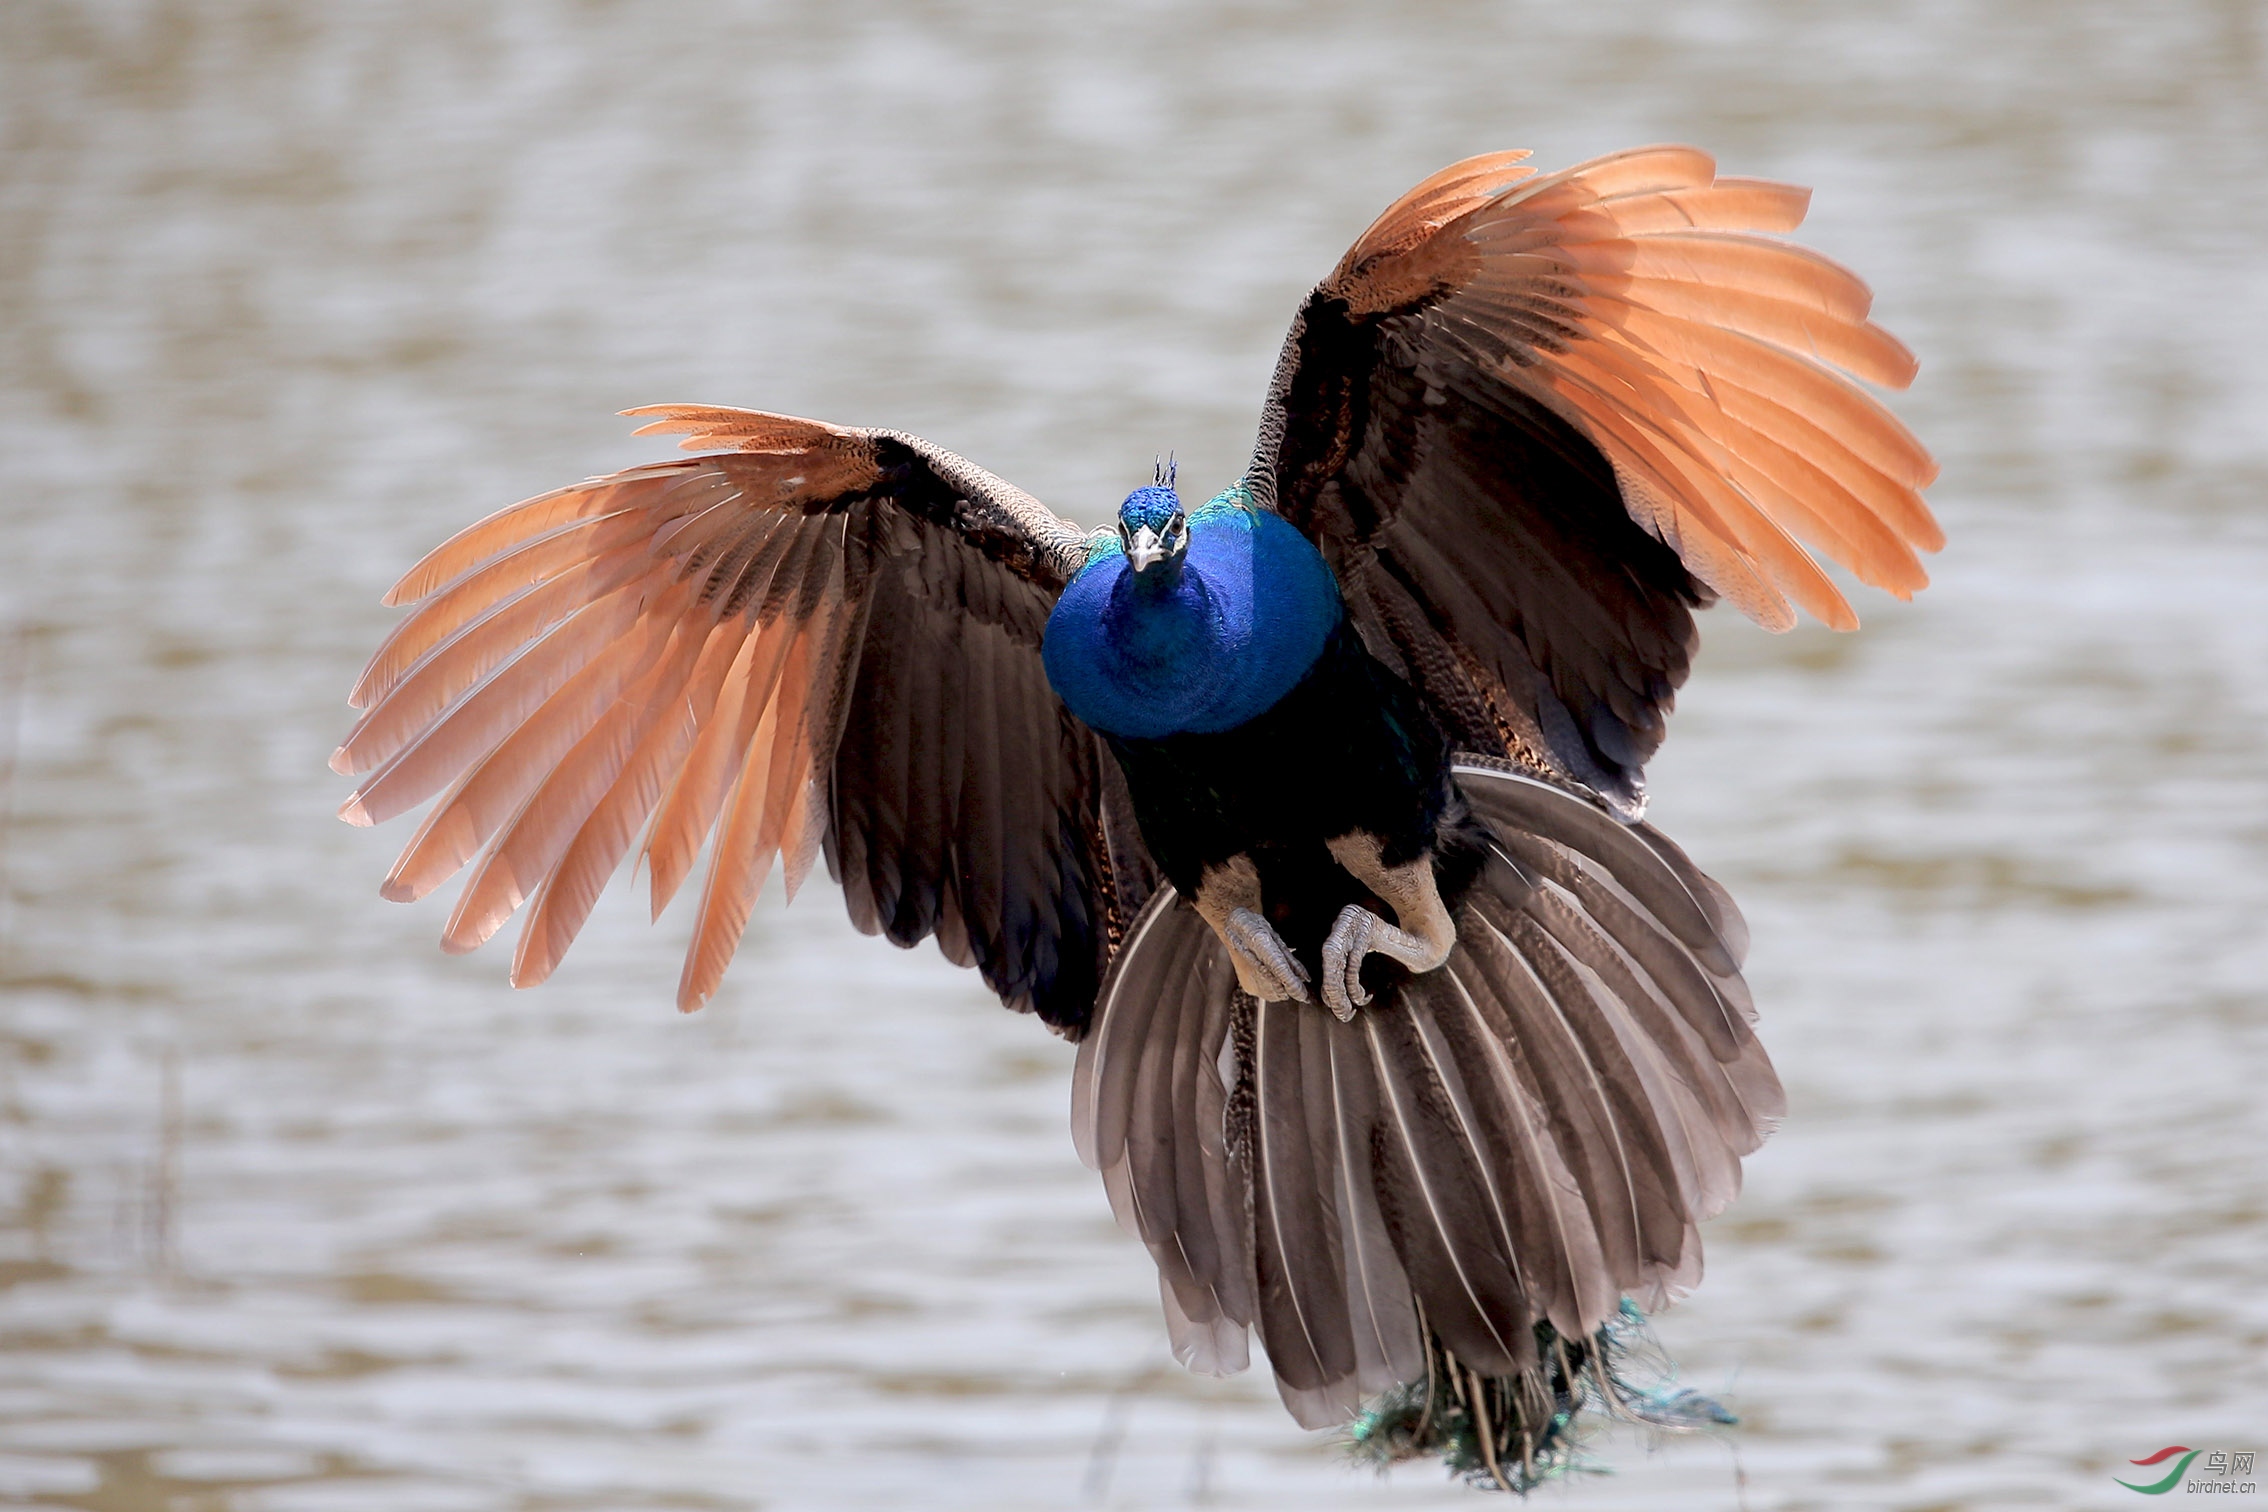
(1447, 1199)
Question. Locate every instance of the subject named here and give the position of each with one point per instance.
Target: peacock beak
(1144, 549)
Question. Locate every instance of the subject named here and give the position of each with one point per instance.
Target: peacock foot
(1426, 939)
(1358, 933)
(1264, 967)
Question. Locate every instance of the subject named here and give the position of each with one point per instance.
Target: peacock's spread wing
(1534, 422)
(821, 639)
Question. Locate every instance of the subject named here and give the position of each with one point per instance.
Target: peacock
(1313, 814)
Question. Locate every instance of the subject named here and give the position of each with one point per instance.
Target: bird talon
(1343, 954)
(1264, 966)
(1357, 934)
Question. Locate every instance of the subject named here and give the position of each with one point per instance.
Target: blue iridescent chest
(1198, 646)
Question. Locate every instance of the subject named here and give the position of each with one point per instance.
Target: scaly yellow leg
(1228, 898)
(1424, 940)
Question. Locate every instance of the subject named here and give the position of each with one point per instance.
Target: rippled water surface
(296, 1213)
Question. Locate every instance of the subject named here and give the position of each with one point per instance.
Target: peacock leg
(1423, 941)
(1229, 899)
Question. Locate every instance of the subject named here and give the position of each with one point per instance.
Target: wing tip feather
(1748, 561)
(709, 426)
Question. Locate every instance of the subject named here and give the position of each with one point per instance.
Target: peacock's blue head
(1152, 525)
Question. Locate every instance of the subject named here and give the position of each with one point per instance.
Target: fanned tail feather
(1442, 1216)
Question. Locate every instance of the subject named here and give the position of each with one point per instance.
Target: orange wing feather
(1711, 363)
(670, 644)
(571, 666)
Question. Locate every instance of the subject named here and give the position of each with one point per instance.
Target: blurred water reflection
(301, 1214)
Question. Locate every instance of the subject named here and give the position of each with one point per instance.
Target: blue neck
(1195, 645)
(1166, 582)
(1160, 621)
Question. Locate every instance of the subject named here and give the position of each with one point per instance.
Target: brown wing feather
(567, 894)
(773, 767)
(686, 642)
(1595, 243)
(1516, 390)
(530, 848)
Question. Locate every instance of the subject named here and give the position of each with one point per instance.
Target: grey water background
(297, 1213)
